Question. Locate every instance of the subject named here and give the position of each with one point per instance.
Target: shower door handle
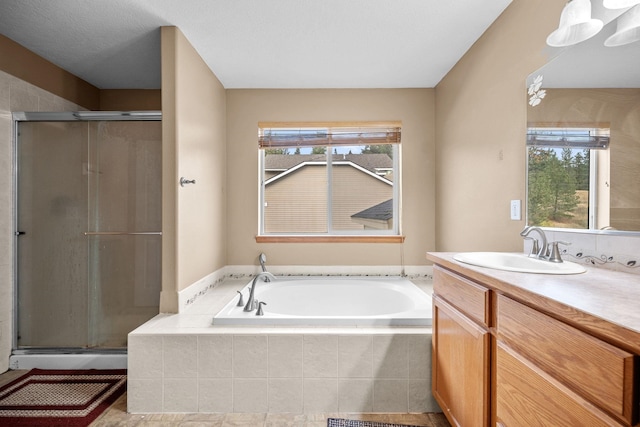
(123, 233)
(20, 233)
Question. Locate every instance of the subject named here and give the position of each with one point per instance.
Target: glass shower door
(123, 232)
(89, 218)
(51, 252)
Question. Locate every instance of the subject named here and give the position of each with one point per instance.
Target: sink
(518, 262)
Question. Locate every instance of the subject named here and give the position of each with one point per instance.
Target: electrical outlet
(515, 210)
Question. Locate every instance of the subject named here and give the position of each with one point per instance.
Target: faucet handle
(555, 251)
(260, 312)
(535, 248)
(241, 300)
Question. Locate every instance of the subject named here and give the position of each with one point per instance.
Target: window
(329, 179)
(568, 177)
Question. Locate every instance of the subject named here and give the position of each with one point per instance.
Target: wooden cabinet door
(461, 360)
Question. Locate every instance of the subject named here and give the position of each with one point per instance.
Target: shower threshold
(68, 359)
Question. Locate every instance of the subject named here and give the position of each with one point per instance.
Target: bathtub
(332, 301)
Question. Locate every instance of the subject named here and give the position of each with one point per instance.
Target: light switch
(515, 210)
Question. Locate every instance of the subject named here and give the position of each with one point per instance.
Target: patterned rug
(60, 398)
(340, 422)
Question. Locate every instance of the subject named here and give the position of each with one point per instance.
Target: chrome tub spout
(250, 306)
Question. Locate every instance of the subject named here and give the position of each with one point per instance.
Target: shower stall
(88, 233)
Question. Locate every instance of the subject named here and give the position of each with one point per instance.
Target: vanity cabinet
(503, 359)
(461, 356)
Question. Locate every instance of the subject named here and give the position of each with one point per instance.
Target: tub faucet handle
(241, 300)
(260, 312)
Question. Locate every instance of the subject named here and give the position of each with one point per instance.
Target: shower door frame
(70, 116)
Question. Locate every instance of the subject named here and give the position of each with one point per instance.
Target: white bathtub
(333, 301)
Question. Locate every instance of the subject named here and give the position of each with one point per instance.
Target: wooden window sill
(329, 239)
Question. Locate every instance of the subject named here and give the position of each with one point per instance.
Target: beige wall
(194, 216)
(130, 99)
(481, 127)
(29, 67)
(414, 107)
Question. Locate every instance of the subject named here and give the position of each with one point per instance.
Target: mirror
(583, 137)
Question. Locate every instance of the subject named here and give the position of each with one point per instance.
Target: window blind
(286, 135)
(587, 138)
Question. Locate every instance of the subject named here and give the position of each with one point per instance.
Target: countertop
(603, 302)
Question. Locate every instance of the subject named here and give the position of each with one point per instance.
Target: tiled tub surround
(180, 363)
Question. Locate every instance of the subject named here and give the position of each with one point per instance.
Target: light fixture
(576, 25)
(627, 28)
(619, 4)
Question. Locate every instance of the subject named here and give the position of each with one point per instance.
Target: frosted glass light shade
(619, 4)
(576, 25)
(627, 28)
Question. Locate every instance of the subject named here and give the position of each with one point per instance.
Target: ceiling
(115, 44)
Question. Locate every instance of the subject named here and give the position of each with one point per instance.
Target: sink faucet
(265, 275)
(539, 248)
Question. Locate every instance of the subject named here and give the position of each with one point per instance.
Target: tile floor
(117, 416)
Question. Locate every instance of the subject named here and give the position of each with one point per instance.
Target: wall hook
(184, 181)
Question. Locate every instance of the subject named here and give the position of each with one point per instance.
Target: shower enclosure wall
(88, 230)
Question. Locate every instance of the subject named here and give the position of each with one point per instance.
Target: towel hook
(184, 181)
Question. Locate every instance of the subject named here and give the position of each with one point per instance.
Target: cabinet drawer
(467, 296)
(526, 396)
(596, 370)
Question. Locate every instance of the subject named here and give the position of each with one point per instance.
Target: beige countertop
(603, 302)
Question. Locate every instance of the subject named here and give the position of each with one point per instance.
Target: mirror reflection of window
(568, 177)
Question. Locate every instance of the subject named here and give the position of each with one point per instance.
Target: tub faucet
(263, 259)
(250, 306)
(539, 249)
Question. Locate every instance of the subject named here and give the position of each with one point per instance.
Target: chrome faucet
(539, 249)
(250, 306)
(263, 259)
